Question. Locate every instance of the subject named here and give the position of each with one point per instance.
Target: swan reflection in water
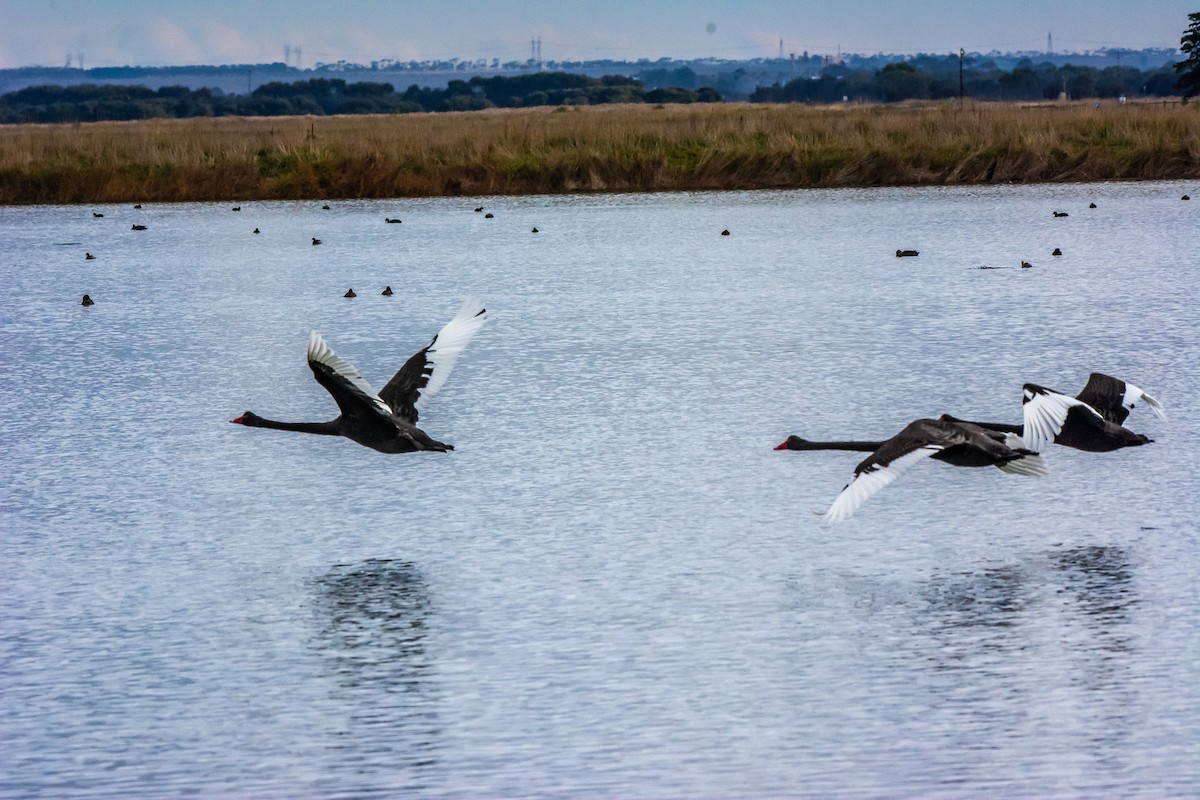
(1057, 630)
(1089, 582)
(372, 627)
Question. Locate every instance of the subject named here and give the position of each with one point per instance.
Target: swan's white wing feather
(1135, 395)
(1013, 441)
(871, 480)
(322, 353)
(449, 342)
(1030, 465)
(1045, 412)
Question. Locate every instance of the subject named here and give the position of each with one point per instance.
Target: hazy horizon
(172, 32)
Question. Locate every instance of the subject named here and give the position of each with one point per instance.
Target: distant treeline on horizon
(322, 96)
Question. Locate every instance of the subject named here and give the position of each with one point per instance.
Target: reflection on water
(1096, 579)
(1091, 582)
(372, 626)
(1090, 586)
(1100, 579)
(1051, 638)
(989, 598)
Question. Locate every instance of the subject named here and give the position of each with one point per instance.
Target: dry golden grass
(588, 149)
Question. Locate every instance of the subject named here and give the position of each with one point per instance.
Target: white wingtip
(1134, 394)
(868, 482)
(1013, 441)
(1155, 406)
(451, 340)
(1030, 466)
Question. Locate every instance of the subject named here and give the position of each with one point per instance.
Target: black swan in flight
(1092, 420)
(956, 443)
(385, 421)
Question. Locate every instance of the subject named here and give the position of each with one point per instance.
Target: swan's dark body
(1081, 430)
(399, 437)
(385, 421)
(1094, 423)
(965, 444)
(955, 443)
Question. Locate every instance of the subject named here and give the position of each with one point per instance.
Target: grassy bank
(586, 149)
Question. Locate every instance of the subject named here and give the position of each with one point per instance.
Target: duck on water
(385, 421)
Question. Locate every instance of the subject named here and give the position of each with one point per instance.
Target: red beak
(780, 447)
(239, 421)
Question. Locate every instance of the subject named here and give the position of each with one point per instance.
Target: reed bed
(594, 149)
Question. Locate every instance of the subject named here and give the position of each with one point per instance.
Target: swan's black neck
(796, 443)
(323, 428)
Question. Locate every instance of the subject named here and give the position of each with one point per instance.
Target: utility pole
(961, 91)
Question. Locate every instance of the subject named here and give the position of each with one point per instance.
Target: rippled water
(614, 587)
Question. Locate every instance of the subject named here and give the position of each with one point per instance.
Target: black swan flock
(1091, 421)
(386, 421)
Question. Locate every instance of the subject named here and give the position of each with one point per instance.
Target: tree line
(320, 96)
(939, 80)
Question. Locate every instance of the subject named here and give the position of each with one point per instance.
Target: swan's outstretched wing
(411, 389)
(1045, 412)
(350, 390)
(871, 475)
(1113, 397)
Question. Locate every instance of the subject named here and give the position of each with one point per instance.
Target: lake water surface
(614, 587)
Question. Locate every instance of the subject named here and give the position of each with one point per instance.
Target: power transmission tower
(1050, 43)
(961, 92)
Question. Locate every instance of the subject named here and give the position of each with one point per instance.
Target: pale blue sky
(156, 32)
